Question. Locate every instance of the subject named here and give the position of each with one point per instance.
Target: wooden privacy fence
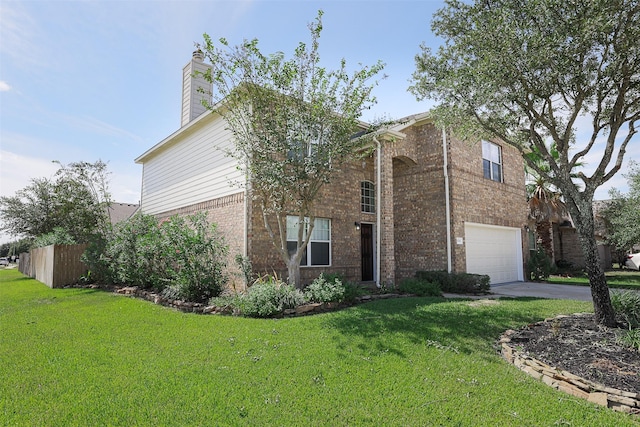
(54, 265)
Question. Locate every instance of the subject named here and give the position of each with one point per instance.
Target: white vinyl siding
(494, 251)
(191, 170)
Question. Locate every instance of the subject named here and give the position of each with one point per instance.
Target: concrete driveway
(542, 290)
(531, 289)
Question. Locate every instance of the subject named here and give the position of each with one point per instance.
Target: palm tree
(545, 202)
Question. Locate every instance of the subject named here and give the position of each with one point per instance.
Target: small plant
(539, 265)
(246, 269)
(631, 338)
(626, 304)
(419, 287)
(555, 327)
(351, 292)
(269, 297)
(325, 289)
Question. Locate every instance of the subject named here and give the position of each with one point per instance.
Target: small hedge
(457, 283)
(420, 288)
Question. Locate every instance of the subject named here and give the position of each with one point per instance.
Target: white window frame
(319, 234)
(367, 197)
(492, 155)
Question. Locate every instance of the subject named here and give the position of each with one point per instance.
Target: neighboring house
(422, 201)
(119, 212)
(566, 242)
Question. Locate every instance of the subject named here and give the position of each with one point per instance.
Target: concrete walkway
(536, 290)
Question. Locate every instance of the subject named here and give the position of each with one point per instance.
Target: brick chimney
(191, 97)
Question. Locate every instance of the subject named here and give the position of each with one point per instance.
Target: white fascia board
(413, 120)
(194, 124)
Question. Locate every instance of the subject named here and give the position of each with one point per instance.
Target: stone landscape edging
(192, 307)
(618, 400)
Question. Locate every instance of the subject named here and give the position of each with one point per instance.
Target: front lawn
(88, 357)
(623, 279)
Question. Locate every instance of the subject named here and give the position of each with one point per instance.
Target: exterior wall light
(357, 224)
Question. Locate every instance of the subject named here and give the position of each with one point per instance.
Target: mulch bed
(578, 345)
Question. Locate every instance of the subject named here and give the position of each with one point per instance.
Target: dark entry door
(366, 249)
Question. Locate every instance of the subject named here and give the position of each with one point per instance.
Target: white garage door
(495, 251)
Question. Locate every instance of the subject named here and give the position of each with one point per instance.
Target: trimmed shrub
(419, 287)
(457, 283)
(325, 289)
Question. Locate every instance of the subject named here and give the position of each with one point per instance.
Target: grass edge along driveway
(88, 357)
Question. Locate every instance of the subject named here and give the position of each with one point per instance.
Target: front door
(366, 249)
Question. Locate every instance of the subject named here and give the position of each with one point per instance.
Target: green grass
(621, 279)
(88, 357)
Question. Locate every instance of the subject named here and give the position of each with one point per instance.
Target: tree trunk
(602, 307)
(293, 269)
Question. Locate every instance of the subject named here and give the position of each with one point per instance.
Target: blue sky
(89, 80)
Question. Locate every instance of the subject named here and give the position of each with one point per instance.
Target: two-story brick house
(423, 200)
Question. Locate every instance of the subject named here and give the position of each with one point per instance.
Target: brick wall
(480, 200)
(419, 194)
(566, 245)
(420, 218)
(339, 201)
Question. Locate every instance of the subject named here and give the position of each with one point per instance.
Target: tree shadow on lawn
(460, 324)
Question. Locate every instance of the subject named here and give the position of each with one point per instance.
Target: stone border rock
(574, 385)
(192, 307)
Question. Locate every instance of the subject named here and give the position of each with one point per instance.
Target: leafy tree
(15, 247)
(530, 73)
(31, 211)
(293, 123)
(74, 203)
(622, 214)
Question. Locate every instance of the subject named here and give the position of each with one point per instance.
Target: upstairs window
(367, 197)
(492, 161)
(318, 251)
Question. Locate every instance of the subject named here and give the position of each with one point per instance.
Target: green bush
(457, 283)
(59, 236)
(351, 292)
(182, 257)
(268, 297)
(626, 304)
(539, 265)
(325, 289)
(419, 287)
(194, 258)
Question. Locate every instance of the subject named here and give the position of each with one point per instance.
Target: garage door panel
(494, 251)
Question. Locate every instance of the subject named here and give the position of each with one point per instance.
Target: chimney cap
(198, 55)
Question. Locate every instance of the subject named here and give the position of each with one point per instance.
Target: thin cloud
(17, 171)
(19, 35)
(98, 126)
(4, 86)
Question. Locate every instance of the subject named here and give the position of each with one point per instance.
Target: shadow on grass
(462, 324)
